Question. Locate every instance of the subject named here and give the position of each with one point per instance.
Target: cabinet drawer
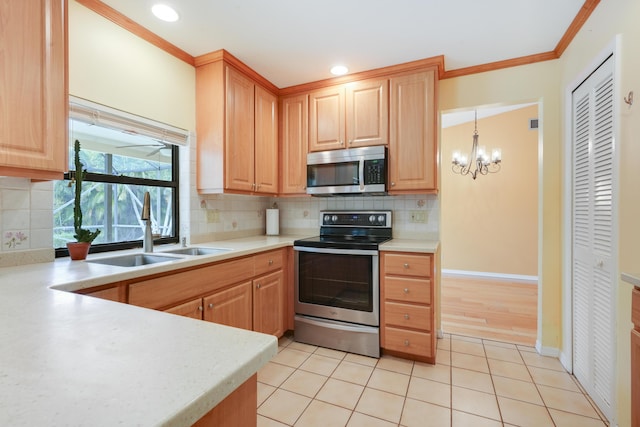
(191, 309)
(407, 289)
(407, 316)
(635, 307)
(407, 264)
(268, 261)
(418, 343)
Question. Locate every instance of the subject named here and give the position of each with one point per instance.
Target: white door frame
(613, 48)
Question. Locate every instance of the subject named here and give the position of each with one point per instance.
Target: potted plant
(79, 249)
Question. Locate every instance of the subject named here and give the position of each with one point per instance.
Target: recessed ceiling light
(339, 70)
(164, 12)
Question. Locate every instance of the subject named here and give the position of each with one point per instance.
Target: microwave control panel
(374, 171)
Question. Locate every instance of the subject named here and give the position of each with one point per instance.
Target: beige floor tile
(566, 419)
(527, 348)
(443, 343)
(274, 374)
(353, 373)
(284, 406)
(321, 414)
(291, 357)
(462, 419)
(392, 382)
(553, 379)
(500, 344)
(518, 390)
(471, 379)
(524, 414)
(264, 391)
(381, 404)
(340, 393)
(466, 338)
(363, 360)
(334, 354)
(516, 371)
(430, 391)
(422, 414)
(475, 402)
(469, 361)
(567, 401)
(321, 365)
(443, 357)
(534, 359)
(395, 364)
(304, 383)
(477, 349)
(285, 341)
(302, 347)
(361, 420)
(440, 373)
(501, 353)
(268, 422)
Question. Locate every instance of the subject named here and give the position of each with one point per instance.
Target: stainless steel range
(337, 291)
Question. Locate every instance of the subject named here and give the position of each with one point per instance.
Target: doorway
(489, 226)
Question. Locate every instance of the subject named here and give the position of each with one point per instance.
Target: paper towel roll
(273, 222)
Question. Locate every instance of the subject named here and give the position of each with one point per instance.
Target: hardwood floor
(490, 308)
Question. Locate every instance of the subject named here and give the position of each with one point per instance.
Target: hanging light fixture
(478, 161)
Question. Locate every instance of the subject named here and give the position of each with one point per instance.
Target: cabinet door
(266, 142)
(412, 140)
(367, 105)
(33, 104)
(268, 304)
(239, 132)
(191, 309)
(231, 307)
(326, 119)
(294, 116)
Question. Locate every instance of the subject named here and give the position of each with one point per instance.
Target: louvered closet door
(593, 237)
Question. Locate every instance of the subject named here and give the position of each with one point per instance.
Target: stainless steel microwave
(347, 172)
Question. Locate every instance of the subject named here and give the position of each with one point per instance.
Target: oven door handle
(335, 251)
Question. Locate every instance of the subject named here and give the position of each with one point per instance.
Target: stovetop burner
(351, 230)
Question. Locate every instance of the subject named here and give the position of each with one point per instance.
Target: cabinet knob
(200, 308)
(406, 316)
(406, 290)
(406, 343)
(406, 265)
(258, 286)
(351, 142)
(341, 142)
(210, 305)
(253, 185)
(270, 262)
(393, 184)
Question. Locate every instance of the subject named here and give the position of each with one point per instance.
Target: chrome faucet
(147, 242)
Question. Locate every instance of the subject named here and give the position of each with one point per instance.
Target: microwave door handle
(361, 174)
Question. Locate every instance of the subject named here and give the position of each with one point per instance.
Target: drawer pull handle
(406, 265)
(406, 316)
(270, 262)
(210, 305)
(258, 286)
(406, 343)
(406, 290)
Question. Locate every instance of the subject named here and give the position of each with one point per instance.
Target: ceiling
(291, 42)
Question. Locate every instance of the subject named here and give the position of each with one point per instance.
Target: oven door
(337, 284)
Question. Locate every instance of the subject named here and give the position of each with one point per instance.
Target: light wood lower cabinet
(191, 309)
(268, 304)
(635, 359)
(407, 312)
(231, 307)
(237, 409)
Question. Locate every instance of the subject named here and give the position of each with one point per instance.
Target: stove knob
(327, 218)
(372, 218)
(334, 218)
(381, 219)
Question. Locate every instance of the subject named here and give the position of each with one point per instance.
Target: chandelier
(478, 161)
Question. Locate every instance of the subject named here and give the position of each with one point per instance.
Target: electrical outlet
(418, 216)
(213, 216)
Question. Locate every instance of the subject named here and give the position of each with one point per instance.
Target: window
(125, 156)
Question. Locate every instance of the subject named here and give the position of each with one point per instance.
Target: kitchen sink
(197, 251)
(133, 260)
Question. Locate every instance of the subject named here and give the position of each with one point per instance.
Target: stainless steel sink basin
(197, 251)
(133, 260)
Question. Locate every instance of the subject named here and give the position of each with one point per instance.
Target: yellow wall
(113, 67)
(491, 224)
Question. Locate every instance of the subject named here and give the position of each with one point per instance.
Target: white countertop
(633, 279)
(73, 360)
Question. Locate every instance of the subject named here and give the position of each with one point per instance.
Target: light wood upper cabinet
(348, 116)
(294, 116)
(413, 148)
(237, 128)
(33, 104)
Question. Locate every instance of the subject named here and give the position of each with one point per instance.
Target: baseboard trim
(531, 280)
(547, 351)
